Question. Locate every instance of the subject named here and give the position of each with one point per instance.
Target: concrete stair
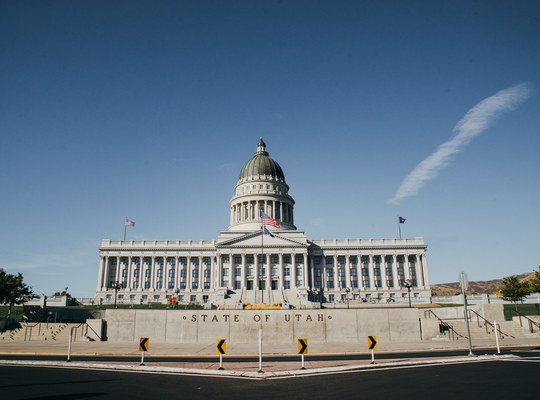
(508, 329)
(44, 331)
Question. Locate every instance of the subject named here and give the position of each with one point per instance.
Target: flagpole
(125, 228)
(399, 226)
(262, 255)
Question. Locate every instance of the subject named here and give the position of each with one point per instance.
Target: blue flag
(402, 220)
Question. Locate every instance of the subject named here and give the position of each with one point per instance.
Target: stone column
(305, 274)
(293, 272)
(118, 269)
(347, 267)
(371, 273)
(406, 267)
(280, 272)
(243, 274)
(384, 284)
(100, 273)
(256, 267)
(337, 279)
(201, 273)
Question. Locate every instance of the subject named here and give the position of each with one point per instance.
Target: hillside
(475, 287)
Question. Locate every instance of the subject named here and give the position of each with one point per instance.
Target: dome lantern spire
(261, 147)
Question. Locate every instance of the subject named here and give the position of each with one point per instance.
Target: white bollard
(497, 337)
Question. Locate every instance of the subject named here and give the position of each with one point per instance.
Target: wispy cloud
(471, 125)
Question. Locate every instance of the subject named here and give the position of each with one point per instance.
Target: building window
(238, 285)
(182, 285)
(317, 272)
(316, 260)
(238, 272)
(286, 259)
(225, 260)
(183, 260)
(249, 259)
(237, 260)
(299, 271)
(274, 259)
(195, 285)
(195, 273)
(299, 260)
(287, 284)
(329, 260)
(225, 271)
(353, 260)
(286, 271)
(193, 298)
(195, 261)
(250, 271)
(207, 273)
(274, 271)
(207, 285)
(183, 273)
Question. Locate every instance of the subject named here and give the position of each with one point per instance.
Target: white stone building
(245, 265)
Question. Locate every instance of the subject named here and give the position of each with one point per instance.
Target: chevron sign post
(302, 349)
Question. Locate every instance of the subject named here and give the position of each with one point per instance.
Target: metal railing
(445, 324)
(529, 320)
(479, 318)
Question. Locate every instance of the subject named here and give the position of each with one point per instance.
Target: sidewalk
(158, 349)
(250, 367)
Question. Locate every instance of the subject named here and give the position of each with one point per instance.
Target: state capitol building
(248, 265)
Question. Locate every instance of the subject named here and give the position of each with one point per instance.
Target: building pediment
(256, 239)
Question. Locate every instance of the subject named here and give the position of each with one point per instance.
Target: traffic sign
(302, 346)
(372, 342)
(144, 344)
(221, 346)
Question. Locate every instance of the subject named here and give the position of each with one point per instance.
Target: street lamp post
(347, 291)
(116, 287)
(408, 284)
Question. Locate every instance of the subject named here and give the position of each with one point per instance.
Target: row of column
(107, 265)
(217, 279)
(420, 266)
(248, 211)
(232, 266)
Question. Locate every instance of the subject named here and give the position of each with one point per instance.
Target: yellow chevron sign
(302, 346)
(221, 346)
(144, 344)
(372, 342)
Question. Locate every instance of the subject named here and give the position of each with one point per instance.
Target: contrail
(471, 125)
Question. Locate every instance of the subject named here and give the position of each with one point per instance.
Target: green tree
(13, 290)
(535, 282)
(514, 290)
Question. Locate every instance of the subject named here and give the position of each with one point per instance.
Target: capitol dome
(261, 187)
(261, 166)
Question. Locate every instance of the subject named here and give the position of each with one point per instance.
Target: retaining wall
(278, 326)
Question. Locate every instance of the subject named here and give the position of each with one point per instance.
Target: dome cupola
(261, 187)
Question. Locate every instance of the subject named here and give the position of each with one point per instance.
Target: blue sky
(149, 110)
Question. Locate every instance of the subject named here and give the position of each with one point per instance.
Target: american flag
(266, 220)
(130, 222)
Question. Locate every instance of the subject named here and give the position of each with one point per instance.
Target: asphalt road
(475, 380)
